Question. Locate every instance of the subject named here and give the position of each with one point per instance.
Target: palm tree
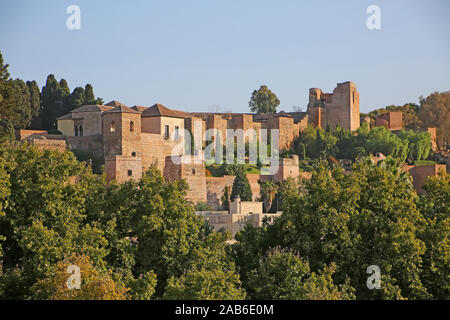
(268, 191)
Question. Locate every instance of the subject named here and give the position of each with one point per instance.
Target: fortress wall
(214, 188)
(154, 147)
(123, 168)
(92, 144)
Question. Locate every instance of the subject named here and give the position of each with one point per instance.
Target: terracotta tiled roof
(139, 108)
(91, 108)
(159, 110)
(122, 109)
(114, 103)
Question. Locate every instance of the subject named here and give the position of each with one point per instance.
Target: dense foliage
(432, 112)
(138, 235)
(343, 144)
(371, 216)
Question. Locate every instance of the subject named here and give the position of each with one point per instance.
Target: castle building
(238, 216)
(129, 140)
(340, 108)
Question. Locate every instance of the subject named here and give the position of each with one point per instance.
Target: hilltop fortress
(129, 140)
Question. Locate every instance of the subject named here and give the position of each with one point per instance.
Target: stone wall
(90, 144)
(91, 122)
(339, 108)
(215, 187)
(185, 167)
(421, 173)
(43, 143)
(123, 168)
(390, 120)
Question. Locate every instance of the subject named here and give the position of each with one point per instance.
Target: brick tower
(121, 141)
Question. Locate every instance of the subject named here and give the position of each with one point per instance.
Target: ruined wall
(339, 108)
(338, 111)
(390, 120)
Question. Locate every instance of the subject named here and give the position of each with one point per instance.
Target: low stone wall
(91, 144)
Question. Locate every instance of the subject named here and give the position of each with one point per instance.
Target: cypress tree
(77, 98)
(241, 187)
(52, 102)
(89, 97)
(35, 98)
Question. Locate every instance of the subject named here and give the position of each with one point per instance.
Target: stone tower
(340, 108)
(121, 144)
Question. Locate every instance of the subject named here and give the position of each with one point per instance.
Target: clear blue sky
(200, 55)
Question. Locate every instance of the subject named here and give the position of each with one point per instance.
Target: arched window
(112, 127)
(76, 131)
(81, 131)
(131, 126)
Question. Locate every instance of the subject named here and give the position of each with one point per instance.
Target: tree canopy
(263, 100)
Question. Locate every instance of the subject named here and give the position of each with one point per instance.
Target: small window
(112, 127)
(166, 132)
(130, 173)
(193, 171)
(131, 126)
(353, 94)
(177, 133)
(133, 154)
(81, 131)
(76, 131)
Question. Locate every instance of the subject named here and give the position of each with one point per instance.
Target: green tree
(90, 97)
(95, 284)
(241, 187)
(53, 101)
(434, 205)
(283, 275)
(268, 191)
(35, 98)
(77, 98)
(143, 288)
(205, 285)
(43, 223)
(226, 198)
(435, 112)
(353, 220)
(263, 100)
